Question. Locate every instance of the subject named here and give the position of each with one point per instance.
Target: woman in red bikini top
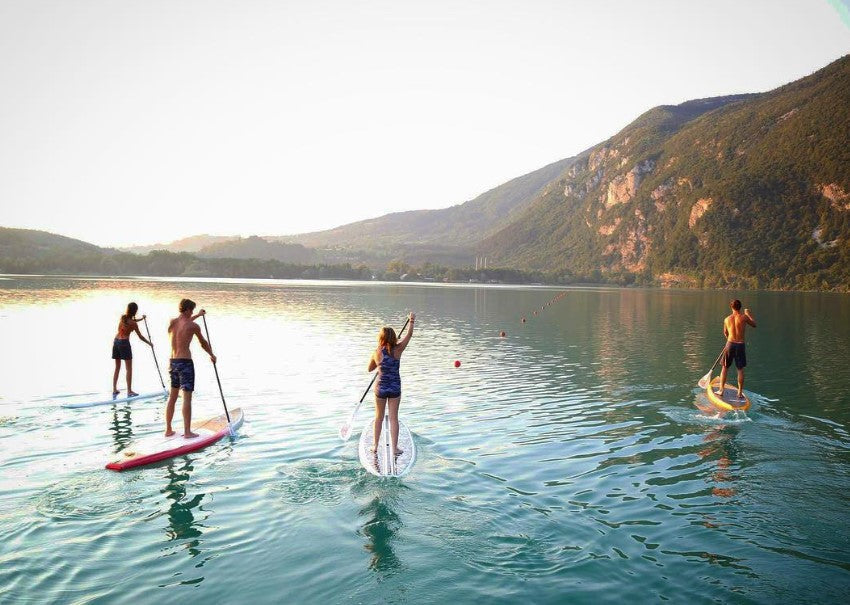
(121, 349)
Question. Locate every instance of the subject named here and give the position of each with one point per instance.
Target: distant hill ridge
(194, 243)
(36, 244)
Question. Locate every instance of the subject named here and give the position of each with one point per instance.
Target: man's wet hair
(189, 305)
(735, 304)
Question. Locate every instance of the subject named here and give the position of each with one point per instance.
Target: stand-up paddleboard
(117, 399)
(385, 464)
(729, 401)
(158, 447)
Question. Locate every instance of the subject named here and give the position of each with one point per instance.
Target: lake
(565, 462)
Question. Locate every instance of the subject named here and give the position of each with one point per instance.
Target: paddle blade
(703, 382)
(345, 431)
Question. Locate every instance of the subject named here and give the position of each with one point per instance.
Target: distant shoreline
(376, 282)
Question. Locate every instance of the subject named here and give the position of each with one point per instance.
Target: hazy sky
(145, 121)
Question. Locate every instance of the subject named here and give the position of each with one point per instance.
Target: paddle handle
(366, 392)
(217, 379)
(153, 350)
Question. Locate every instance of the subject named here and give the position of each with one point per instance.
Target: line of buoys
(543, 307)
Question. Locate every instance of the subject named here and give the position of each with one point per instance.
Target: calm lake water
(566, 462)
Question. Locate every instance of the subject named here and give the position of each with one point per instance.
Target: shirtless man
(733, 329)
(182, 369)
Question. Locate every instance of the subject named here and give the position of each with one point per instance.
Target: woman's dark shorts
(388, 395)
(121, 349)
(182, 373)
(736, 351)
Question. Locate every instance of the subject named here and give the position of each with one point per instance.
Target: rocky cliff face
(735, 186)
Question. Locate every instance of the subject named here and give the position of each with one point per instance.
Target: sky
(135, 122)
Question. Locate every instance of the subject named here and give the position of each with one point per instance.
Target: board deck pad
(379, 465)
(729, 400)
(154, 448)
(120, 398)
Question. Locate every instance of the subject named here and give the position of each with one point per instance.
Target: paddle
(704, 381)
(345, 429)
(215, 367)
(153, 350)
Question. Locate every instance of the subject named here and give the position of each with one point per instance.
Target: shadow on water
(381, 523)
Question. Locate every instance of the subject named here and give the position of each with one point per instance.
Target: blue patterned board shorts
(182, 372)
(121, 349)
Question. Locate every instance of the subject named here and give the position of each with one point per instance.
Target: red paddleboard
(158, 447)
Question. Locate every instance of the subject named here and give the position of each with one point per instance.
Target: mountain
(194, 243)
(30, 243)
(26, 251)
(446, 228)
(442, 236)
(258, 247)
(752, 192)
(743, 191)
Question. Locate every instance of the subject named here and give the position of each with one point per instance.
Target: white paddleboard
(382, 465)
(119, 398)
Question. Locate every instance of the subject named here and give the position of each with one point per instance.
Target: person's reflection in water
(181, 520)
(121, 426)
(380, 528)
(719, 444)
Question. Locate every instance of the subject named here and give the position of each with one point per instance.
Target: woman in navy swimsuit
(387, 358)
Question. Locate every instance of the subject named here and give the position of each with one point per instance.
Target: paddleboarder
(121, 349)
(734, 327)
(387, 359)
(181, 367)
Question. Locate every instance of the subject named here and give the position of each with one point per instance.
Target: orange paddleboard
(729, 401)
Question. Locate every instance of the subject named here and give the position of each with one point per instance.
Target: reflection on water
(121, 426)
(181, 520)
(720, 449)
(379, 528)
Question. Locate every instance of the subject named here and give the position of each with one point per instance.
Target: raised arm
(204, 344)
(402, 344)
(749, 318)
(198, 314)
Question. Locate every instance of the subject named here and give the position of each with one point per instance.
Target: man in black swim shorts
(733, 329)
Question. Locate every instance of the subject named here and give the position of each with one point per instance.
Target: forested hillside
(753, 193)
(458, 226)
(258, 247)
